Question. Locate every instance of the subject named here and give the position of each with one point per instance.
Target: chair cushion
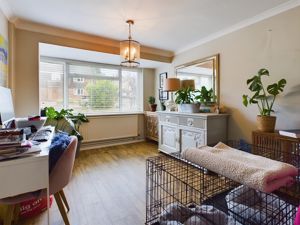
(58, 145)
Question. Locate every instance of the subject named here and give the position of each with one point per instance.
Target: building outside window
(78, 91)
(78, 80)
(90, 88)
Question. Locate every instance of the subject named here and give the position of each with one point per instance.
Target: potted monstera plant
(264, 98)
(185, 100)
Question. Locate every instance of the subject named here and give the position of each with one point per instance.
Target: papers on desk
(16, 145)
(19, 152)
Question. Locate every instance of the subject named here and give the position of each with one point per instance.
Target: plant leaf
(245, 100)
(263, 72)
(250, 80)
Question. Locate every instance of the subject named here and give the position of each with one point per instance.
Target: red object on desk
(31, 208)
(33, 118)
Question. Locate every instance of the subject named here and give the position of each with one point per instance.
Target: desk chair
(58, 179)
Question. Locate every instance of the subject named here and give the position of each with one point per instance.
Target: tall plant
(262, 97)
(205, 96)
(184, 96)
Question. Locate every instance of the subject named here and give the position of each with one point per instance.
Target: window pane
(93, 71)
(200, 80)
(93, 89)
(130, 91)
(51, 84)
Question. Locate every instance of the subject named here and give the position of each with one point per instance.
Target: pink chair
(59, 177)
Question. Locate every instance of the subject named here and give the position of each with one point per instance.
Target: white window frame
(68, 62)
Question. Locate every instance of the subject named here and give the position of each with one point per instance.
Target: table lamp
(171, 85)
(188, 84)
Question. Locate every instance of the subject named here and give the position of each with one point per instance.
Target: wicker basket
(266, 123)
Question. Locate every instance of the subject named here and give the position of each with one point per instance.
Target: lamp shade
(188, 84)
(130, 53)
(171, 84)
(130, 49)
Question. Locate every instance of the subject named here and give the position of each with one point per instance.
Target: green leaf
(260, 97)
(250, 80)
(256, 84)
(245, 100)
(263, 72)
(253, 101)
(51, 113)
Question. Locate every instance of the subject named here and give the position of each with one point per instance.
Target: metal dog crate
(182, 193)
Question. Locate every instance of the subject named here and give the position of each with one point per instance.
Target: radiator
(110, 127)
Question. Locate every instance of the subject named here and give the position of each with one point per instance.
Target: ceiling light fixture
(130, 50)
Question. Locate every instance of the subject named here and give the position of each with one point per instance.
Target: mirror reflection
(204, 72)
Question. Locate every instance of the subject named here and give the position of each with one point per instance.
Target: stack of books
(13, 144)
(290, 133)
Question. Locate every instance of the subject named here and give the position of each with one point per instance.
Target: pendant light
(130, 50)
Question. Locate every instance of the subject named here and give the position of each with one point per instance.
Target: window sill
(114, 114)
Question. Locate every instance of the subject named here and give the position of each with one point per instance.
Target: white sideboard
(178, 131)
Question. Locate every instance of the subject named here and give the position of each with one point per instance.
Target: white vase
(188, 108)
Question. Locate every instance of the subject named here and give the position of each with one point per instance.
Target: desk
(22, 175)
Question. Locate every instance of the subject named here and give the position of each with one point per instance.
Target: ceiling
(173, 25)
(89, 56)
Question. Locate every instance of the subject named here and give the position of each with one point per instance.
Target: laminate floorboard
(107, 187)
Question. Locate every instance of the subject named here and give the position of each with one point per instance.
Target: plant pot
(266, 123)
(153, 107)
(188, 108)
(207, 108)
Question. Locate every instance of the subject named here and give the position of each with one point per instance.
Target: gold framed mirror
(205, 72)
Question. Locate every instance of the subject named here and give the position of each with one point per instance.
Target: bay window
(90, 88)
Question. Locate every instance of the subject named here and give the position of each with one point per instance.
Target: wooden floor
(107, 188)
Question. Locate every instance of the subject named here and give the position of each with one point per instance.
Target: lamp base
(171, 106)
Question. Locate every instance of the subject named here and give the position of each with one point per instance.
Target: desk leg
(48, 194)
(48, 205)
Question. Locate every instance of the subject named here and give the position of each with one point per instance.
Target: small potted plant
(264, 98)
(151, 101)
(185, 100)
(206, 98)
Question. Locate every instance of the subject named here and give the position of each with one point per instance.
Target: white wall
(242, 54)
(4, 33)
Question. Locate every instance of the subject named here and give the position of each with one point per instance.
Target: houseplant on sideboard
(151, 101)
(206, 98)
(264, 99)
(185, 100)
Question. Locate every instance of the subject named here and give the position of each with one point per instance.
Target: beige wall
(242, 54)
(25, 82)
(4, 33)
(149, 86)
(26, 85)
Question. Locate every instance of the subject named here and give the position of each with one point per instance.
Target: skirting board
(109, 143)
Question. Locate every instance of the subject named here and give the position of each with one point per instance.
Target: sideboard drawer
(169, 119)
(192, 122)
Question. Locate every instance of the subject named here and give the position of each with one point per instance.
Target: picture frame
(162, 78)
(163, 95)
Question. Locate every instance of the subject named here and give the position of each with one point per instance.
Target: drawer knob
(190, 122)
